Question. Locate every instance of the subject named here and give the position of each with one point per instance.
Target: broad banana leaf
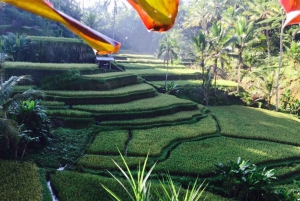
(292, 9)
(99, 42)
(157, 15)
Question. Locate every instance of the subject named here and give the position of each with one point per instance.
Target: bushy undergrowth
(66, 147)
(19, 181)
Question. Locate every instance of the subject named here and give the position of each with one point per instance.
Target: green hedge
(200, 157)
(253, 123)
(155, 139)
(107, 142)
(19, 181)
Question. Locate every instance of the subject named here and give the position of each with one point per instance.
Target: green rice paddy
(158, 102)
(48, 66)
(88, 94)
(200, 157)
(253, 123)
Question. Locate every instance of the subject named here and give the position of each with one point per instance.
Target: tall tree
(168, 49)
(200, 53)
(219, 44)
(243, 39)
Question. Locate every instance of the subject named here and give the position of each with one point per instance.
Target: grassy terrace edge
(48, 66)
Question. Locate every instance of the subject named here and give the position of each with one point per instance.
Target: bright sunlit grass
(256, 123)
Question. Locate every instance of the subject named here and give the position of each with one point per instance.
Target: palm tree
(243, 39)
(219, 42)
(293, 53)
(201, 50)
(264, 86)
(168, 49)
(14, 45)
(260, 11)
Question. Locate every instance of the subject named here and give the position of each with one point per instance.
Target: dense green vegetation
(218, 53)
(20, 181)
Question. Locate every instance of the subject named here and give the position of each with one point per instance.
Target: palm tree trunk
(215, 72)
(239, 72)
(279, 67)
(202, 66)
(167, 74)
(268, 45)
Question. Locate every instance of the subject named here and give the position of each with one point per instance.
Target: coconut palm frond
(8, 127)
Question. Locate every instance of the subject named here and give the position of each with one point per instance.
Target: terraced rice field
(180, 136)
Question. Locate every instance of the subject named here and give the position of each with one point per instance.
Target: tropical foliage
(15, 137)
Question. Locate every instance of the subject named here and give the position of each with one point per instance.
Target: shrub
(244, 181)
(34, 123)
(19, 181)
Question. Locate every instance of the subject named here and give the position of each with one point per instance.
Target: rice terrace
(208, 109)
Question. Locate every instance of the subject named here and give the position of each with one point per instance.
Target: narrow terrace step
(167, 120)
(145, 108)
(108, 81)
(119, 95)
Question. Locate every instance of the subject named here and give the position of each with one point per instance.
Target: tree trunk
(279, 67)
(215, 72)
(167, 75)
(239, 72)
(268, 45)
(202, 66)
